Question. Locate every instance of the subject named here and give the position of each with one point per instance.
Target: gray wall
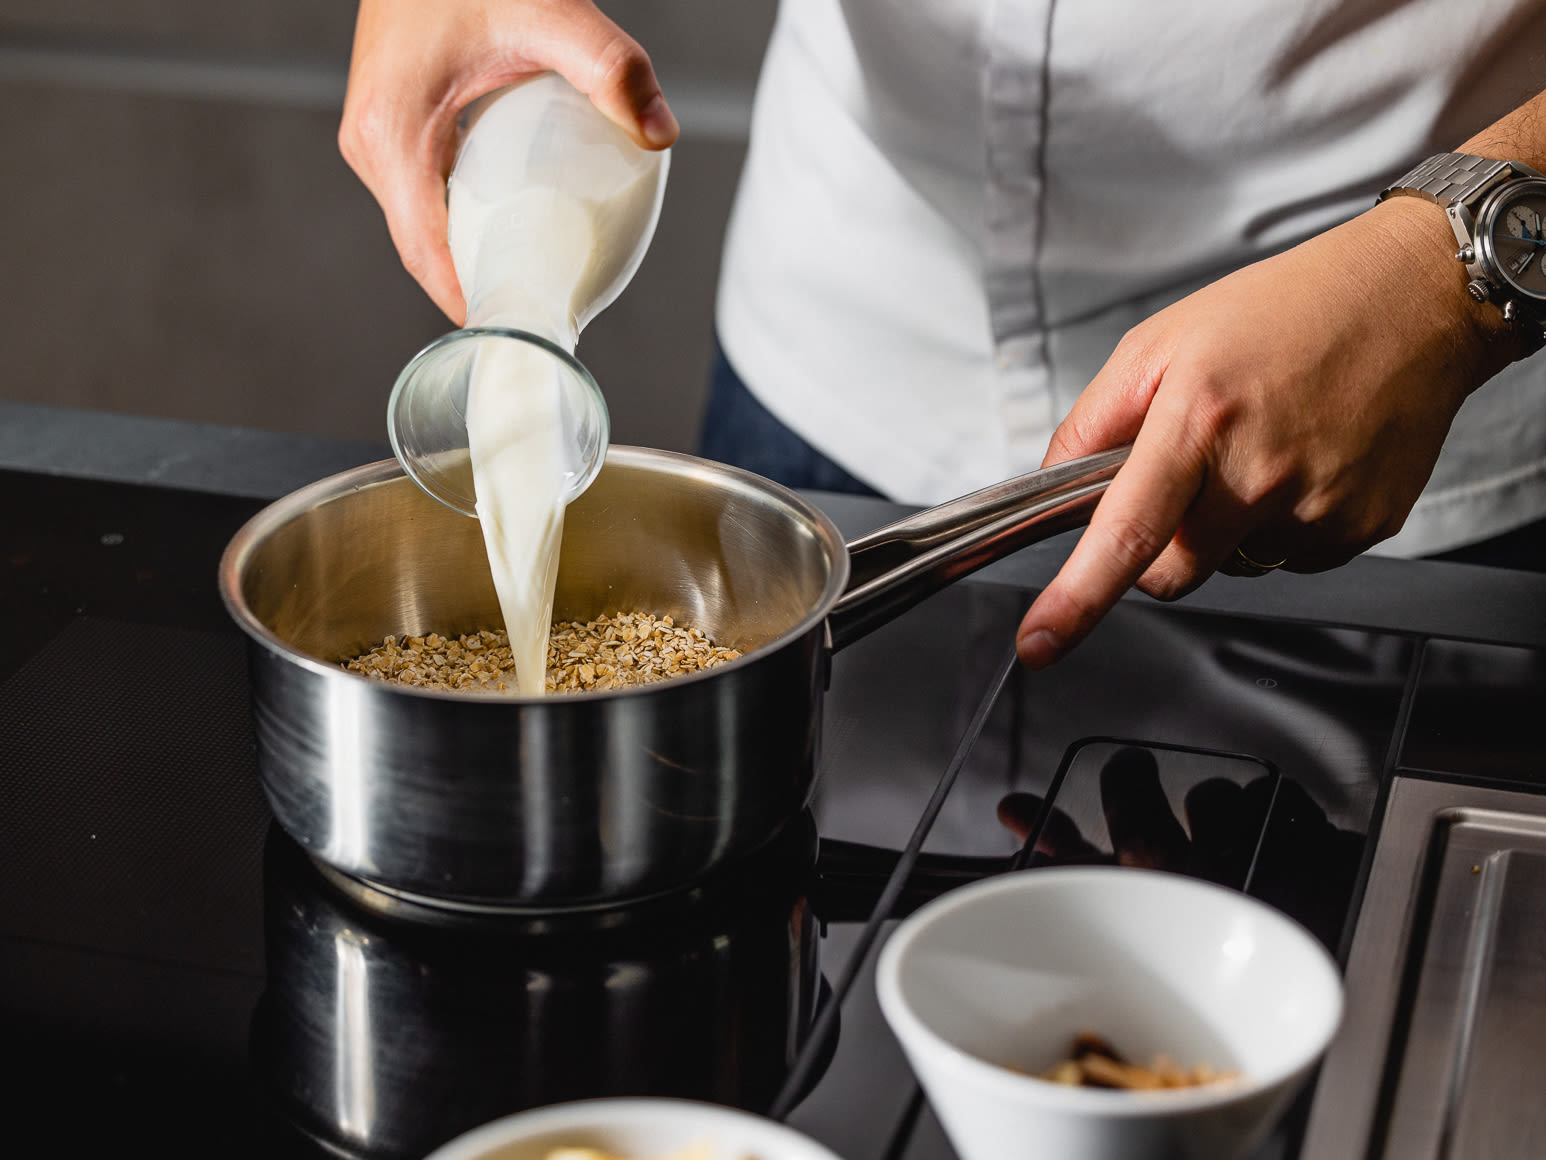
(182, 239)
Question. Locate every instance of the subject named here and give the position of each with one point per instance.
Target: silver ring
(1250, 567)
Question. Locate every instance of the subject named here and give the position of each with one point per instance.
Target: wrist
(1417, 249)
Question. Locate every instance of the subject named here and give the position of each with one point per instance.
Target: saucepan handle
(895, 567)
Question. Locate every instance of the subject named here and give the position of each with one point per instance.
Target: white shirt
(952, 210)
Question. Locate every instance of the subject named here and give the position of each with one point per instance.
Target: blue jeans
(740, 431)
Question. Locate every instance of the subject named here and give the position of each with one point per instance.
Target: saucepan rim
(241, 547)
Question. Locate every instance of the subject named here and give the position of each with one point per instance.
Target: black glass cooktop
(176, 975)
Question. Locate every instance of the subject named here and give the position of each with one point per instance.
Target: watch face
(1515, 233)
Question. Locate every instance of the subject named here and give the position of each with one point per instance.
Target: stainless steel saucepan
(484, 802)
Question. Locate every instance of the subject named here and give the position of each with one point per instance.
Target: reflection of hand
(416, 66)
(1292, 407)
(1223, 818)
(1305, 865)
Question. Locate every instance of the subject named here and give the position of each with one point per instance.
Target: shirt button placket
(1017, 48)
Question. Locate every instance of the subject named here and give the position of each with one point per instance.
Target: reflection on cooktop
(384, 1037)
(1223, 817)
(1477, 713)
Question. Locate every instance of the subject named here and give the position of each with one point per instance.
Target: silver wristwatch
(1498, 212)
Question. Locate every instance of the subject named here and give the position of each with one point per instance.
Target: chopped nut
(1095, 1063)
(1068, 1073)
(1102, 1072)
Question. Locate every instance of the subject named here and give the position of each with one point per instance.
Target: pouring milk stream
(551, 208)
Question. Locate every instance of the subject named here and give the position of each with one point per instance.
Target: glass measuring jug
(550, 209)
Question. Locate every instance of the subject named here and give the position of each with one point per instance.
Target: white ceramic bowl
(636, 1129)
(1004, 973)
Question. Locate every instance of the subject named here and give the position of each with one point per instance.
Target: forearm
(1520, 136)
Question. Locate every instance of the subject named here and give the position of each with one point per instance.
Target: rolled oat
(610, 652)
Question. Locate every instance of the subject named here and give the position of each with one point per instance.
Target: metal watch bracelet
(1447, 178)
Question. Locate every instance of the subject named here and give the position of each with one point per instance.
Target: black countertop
(163, 948)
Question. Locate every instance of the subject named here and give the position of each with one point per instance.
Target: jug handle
(894, 567)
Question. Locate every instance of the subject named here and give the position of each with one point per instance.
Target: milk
(517, 473)
(540, 259)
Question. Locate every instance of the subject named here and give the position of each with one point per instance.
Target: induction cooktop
(176, 974)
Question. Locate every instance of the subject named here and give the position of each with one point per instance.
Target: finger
(1329, 541)
(1224, 831)
(1216, 522)
(1017, 813)
(414, 202)
(1059, 839)
(1133, 522)
(606, 64)
(1111, 409)
(403, 154)
(1144, 830)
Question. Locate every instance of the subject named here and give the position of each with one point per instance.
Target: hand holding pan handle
(895, 567)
